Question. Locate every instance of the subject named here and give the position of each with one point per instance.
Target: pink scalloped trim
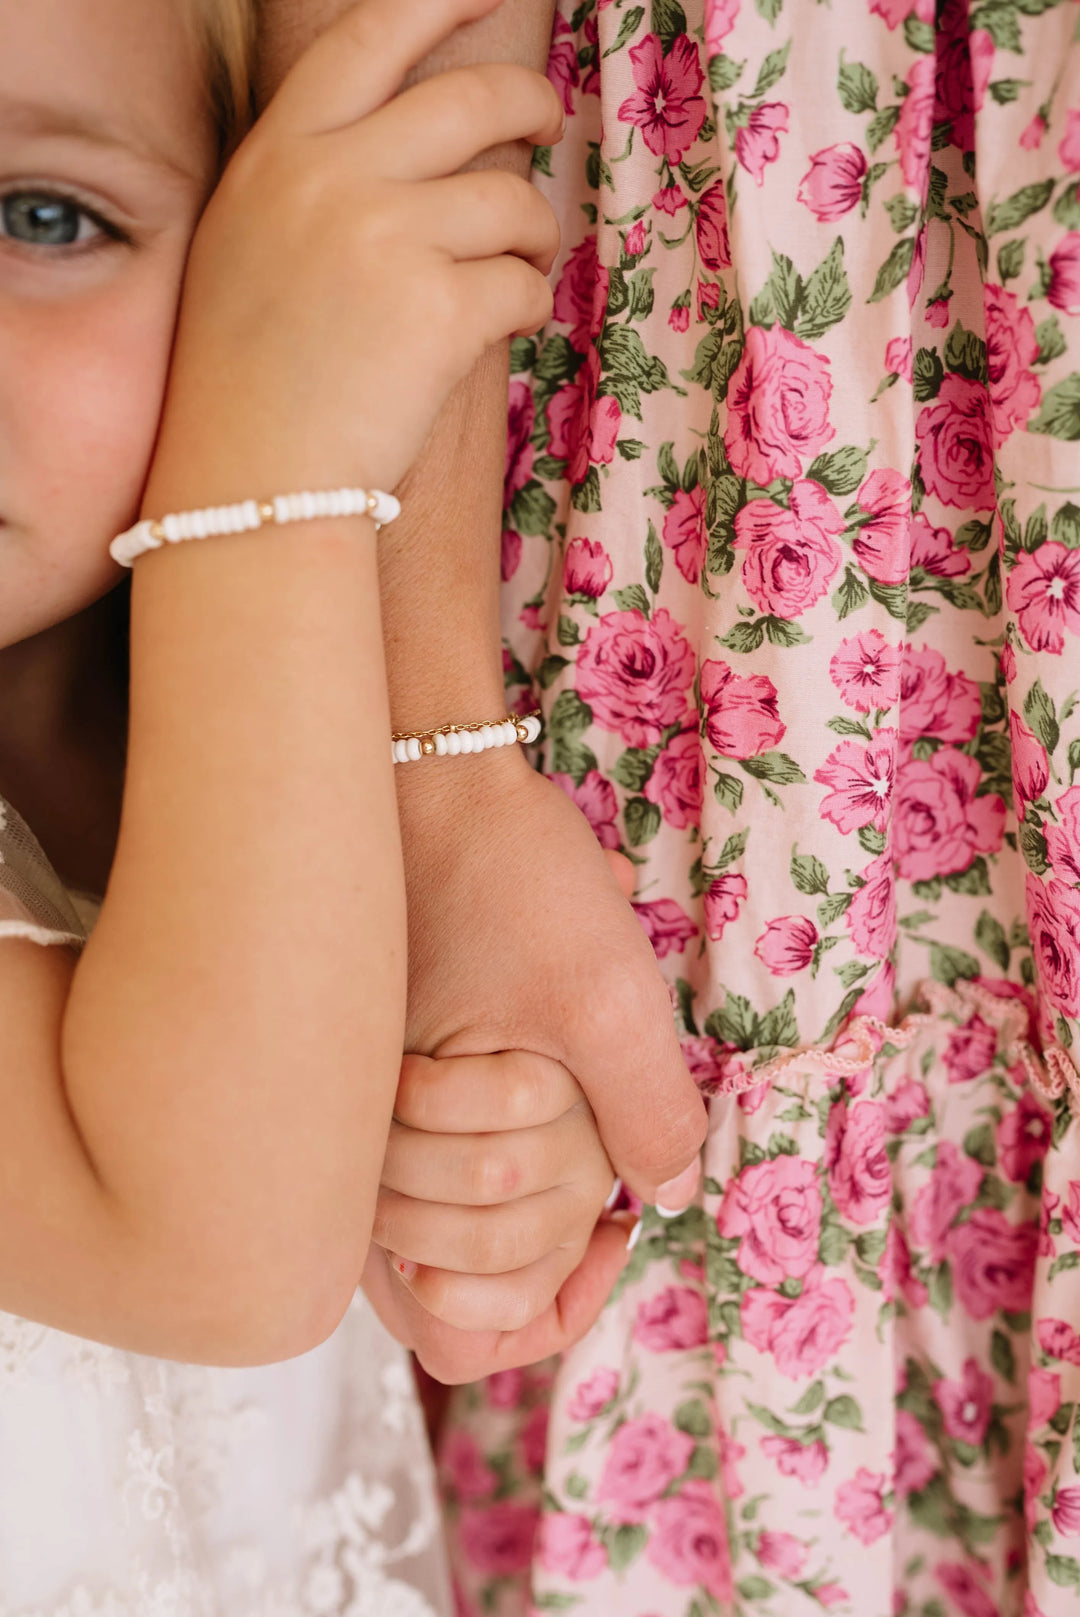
(860, 1042)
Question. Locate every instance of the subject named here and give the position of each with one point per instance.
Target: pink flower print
(1030, 765)
(590, 79)
(679, 320)
(1011, 348)
(860, 1177)
(955, 443)
(775, 1207)
(587, 569)
(807, 1461)
(970, 1597)
(498, 1538)
(1065, 1512)
(688, 1543)
(803, 1334)
(519, 451)
(711, 226)
(791, 555)
(896, 11)
(720, 18)
(871, 915)
(676, 1318)
(833, 183)
(1058, 1340)
(464, 1468)
(1043, 590)
(562, 68)
(669, 200)
(1069, 145)
(778, 406)
(1034, 1477)
(1008, 662)
(666, 105)
(583, 427)
(1044, 1397)
(963, 72)
(993, 1263)
(645, 1457)
(1063, 839)
(1031, 136)
(939, 824)
(667, 925)
(878, 998)
(914, 1461)
(704, 1058)
(635, 673)
(581, 294)
(934, 702)
(634, 245)
(684, 531)
(730, 1455)
(866, 671)
(860, 778)
(505, 1389)
(860, 1505)
(708, 297)
(937, 313)
(1070, 1213)
(781, 1553)
(566, 1544)
(593, 1394)
(534, 1439)
(829, 1595)
(677, 783)
(742, 717)
(787, 945)
(595, 797)
(757, 143)
(1064, 289)
(970, 1050)
(914, 125)
(898, 357)
(905, 1104)
(509, 554)
(723, 900)
(1053, 912)
(965, 1404)
(933, 550)
(954, 1183)
(895, 1271)
(1023, 1138)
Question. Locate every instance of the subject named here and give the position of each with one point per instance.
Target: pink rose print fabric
(792, 565)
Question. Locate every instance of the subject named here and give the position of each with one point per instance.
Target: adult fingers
(513, 1089)
(623, 871)
(484, 1240)
(481, 1170)
(504, 297)
(358, 63)
(489, 212)
(438, 126)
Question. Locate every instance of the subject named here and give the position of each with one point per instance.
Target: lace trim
(40, 934)
(1051, 1073)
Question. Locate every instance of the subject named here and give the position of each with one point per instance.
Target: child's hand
(345, 276)
(493, 1184)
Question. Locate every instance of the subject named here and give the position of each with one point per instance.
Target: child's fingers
(486, 1240)
(481, 1170)
(358, 63)
(504, 296)
(623, 871)
(490, 212)
(500, 1302)
(436, 127)
(513, 1089)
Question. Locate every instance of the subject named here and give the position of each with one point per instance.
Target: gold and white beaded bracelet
(215, 521)
(450, 740)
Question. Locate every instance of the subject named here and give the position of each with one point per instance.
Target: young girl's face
(106, 157)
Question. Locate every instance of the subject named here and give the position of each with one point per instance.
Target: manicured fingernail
(404, 1267)
(616, 1192)
(634, 1237)
(675, 1196)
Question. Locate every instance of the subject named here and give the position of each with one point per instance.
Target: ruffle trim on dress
(1051, 1072)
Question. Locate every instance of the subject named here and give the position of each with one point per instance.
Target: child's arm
(194, 1116)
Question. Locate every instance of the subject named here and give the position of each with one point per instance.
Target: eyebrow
(41, 119)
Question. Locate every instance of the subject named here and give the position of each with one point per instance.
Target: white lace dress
(135, 1487)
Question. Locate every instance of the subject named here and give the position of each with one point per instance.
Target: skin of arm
(519, 936)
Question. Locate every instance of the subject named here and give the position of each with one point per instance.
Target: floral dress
(792, 556)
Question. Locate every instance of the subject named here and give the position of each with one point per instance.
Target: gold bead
(427, 747)
(266, 511)
(157, 532)
(522, 732)
(372, 502)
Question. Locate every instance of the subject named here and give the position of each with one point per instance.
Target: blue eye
(40, 219)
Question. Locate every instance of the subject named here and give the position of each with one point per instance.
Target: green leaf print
(632, 599)
(693, 1418)
(724, 71)
(1060, 413)
(784, 288)
(948, 964)
(1002, 1356)
(990, 936)
(1065, 526)
(779, 1026)
(744, 637)
(1064, 1570)
(654, 559)
(624, 1544)
(965, 353)
(532, 510)
(808, 873)
(928, 373)
(773, 766)
(628, 370)
(850, 593)
(1051, 341)
(736, 1023)
(894, 270)
(1040, 714)
(769, 9)
(1010, 213)
(1066, 209)
(728, 791)
(755, 1588)
(1033, 847)
(772, 69)
(642, 820)
(629, 26)
(844, 1411)
(668, 20)
(857, 87)
(826, 298)
(881, 126)
(550, 669)
(585, 496)
(1010, 260)
(830, 909)
(979, 1145)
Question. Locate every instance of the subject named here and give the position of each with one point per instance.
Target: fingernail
(616, 1192)
(634, 1237)
(405, 1267)
(675, 1196)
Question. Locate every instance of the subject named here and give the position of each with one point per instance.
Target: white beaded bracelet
(452, 739)
(214, 521)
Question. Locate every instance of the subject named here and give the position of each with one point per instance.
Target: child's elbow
(260, 1318)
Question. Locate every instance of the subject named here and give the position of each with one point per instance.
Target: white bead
(488, 734)
(498, 736)
(453, 744)
(440, 744)
(307, 506)
(170, 527)
(532, 725)
(198, 524)
(466, 741)
(281, 509)
(252, 514)
(413, 747)
(510, 732)
(387, 508)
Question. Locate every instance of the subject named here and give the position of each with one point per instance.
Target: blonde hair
(225, 33)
